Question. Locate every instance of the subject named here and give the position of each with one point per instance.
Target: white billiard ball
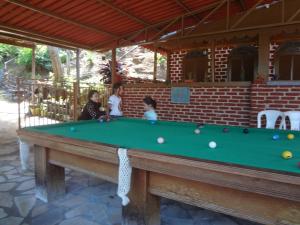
(197, 131)
(212, 144)
(160, 140)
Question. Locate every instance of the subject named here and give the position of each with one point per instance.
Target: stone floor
(88, 201)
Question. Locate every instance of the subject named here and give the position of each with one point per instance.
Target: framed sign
(180, 95)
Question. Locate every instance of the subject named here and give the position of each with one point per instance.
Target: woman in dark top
(91, 109)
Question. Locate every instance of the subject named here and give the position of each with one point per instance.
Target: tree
(56, 63)
(7, 52)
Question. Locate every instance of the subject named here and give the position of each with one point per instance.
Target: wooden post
(263, 55)
(155, 66)
(33, 74)
(213, 61)
(33, 63)
(75, 100)
(113, 66)
(77, 79)
(168, 80)
(49, 178)
(144, 208)
(19, 102)
(78, 65)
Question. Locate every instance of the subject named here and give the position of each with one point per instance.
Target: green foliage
(161, 60)
(42, 57)
(90, 58)
(7, 52)
(63, 58)
(24, 57)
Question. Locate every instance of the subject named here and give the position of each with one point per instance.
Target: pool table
(244, 176)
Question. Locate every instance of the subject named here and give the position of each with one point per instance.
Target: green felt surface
(255, 149)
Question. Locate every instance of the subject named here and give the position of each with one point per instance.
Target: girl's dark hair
(91, 93)
(150, 101)
(116, 86)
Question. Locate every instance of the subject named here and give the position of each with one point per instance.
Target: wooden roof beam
(5, 40)
(132, 17)
(41, 37)
(294, 15)
(26, 38)
(183, 6)
(246, 14)
(58, 17)
(154, 26)
(242, 4)
(207, 16)
(164, 29)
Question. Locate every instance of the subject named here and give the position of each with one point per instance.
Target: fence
(41, 103)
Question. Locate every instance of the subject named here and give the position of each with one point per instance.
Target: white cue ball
(197, 131)
(212, 144)
(160, 140)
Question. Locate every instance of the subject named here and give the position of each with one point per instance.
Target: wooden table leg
(49, 178)
(144, 208)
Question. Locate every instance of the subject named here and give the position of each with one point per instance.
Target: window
(195, 66)
(287, 61)
(242, 63)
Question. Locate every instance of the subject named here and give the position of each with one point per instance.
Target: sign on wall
(180, 95)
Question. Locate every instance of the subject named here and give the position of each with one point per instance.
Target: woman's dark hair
(91, 93)
(116, 86)
(150, 101)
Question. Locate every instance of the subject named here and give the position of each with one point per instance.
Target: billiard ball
(246, 131)
(200, 125)
(212, 144)
(197, 131)
(286, 154)
(160, 140)
(275, 137)
(72, 129)
(225, 130)
(290, 136)
(101, 120)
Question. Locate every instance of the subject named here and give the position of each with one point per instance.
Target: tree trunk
(56, 64)
(68, 61)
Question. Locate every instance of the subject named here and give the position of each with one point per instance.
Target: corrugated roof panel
(95, 15)
(6, 12)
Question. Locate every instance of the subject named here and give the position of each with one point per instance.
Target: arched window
(287, 61)
(242, 63)
(195, 66)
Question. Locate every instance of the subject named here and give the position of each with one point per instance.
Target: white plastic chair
(271, 117)
(294, 117)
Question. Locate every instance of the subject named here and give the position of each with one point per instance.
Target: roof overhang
(102, 24)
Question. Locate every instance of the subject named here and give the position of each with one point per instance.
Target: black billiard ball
(225, 130)
(246, 131)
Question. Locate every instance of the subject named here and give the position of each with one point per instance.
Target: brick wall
(215, 105)
(273, 47)
(176, 69)
(284, 98)
(219, 105)
(221, 63)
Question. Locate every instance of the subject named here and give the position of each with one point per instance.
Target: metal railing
(41, 102)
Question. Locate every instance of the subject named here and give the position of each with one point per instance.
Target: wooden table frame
(262, 196)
